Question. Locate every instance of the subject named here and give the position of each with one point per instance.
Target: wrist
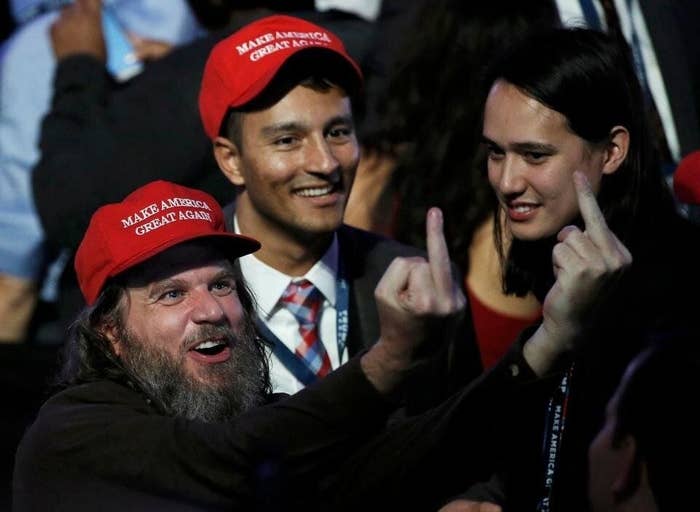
(547, 346)
(383, 368)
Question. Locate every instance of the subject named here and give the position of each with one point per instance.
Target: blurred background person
(27, 64)
(665, 46)
(643, 457)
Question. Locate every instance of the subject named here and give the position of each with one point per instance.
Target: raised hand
(585, 264)
(78, 30)
(412, 296)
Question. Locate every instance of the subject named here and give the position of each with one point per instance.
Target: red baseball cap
(242, 65)
(148, 221)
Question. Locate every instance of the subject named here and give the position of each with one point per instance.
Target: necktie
(304, 300)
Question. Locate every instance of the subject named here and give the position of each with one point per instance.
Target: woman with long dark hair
(562, 102)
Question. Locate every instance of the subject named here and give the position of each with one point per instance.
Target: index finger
(596, 226)
(438, 255)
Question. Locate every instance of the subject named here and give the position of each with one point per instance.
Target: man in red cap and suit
(277, 102)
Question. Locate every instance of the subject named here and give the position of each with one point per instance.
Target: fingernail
(582, 179)
(436, 213)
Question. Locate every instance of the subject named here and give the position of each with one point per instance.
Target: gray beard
(240, 382)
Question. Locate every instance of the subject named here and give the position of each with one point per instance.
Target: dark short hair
(656, 407)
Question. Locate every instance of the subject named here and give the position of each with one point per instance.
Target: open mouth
(211, 351)
(210, 348)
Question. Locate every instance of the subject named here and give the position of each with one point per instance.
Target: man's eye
(495, 153)
(341, 131)
(170, 295)
(284, 141)
(535, 156)
(223, 287)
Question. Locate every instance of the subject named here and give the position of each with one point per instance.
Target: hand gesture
(412, 294)
(585, 264)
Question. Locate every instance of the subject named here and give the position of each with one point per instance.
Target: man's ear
(628, 479)
(109, 331)
(616, 149)
(229, 159)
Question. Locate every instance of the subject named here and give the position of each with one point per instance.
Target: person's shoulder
(31, 33)
(27, 52)
(104, 396)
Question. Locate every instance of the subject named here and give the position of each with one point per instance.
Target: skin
(78, 30)
(178, 294)
(618, 479)
(296, 165)
(607, 458)
(532, 157)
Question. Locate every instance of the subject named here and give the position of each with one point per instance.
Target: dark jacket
(103, 446)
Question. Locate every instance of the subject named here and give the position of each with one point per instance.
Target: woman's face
(532, 157)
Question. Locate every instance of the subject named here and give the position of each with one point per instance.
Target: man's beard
(236, 385)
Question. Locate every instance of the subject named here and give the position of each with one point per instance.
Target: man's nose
(207, 308)
(320, 157)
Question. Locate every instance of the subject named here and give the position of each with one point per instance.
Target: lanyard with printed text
(557, 410)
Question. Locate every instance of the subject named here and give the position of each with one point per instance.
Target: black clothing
(654, 298)
(102, 446)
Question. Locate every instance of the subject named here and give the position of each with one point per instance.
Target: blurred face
(532, 157)
(186, 337)
(297, 164)
(604, 463)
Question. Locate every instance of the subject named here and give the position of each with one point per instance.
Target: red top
(495, 331)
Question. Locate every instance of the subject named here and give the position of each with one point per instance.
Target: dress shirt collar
(268, 284)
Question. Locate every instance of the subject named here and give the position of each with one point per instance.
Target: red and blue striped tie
(304, 301)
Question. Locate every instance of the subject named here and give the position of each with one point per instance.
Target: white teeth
(315, 192)
(522, 208)
(208, 344)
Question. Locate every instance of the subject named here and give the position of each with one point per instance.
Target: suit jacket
(365, 257)
(673, 31)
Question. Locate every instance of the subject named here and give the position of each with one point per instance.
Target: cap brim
(233, 245)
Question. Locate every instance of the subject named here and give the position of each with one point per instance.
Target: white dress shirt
(267, 285)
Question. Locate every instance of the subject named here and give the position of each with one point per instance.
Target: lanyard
(557, 409)
(289, 359)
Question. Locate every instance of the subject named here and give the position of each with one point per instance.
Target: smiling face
(532, 157)
(296, 162)
(185, 335)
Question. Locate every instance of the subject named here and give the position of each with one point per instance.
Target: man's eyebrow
(276, 129)
(224, 273)
(158, 287)
(487, 141)
(340, 120)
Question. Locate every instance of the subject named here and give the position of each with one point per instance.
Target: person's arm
(101, 140)
(413, 464)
